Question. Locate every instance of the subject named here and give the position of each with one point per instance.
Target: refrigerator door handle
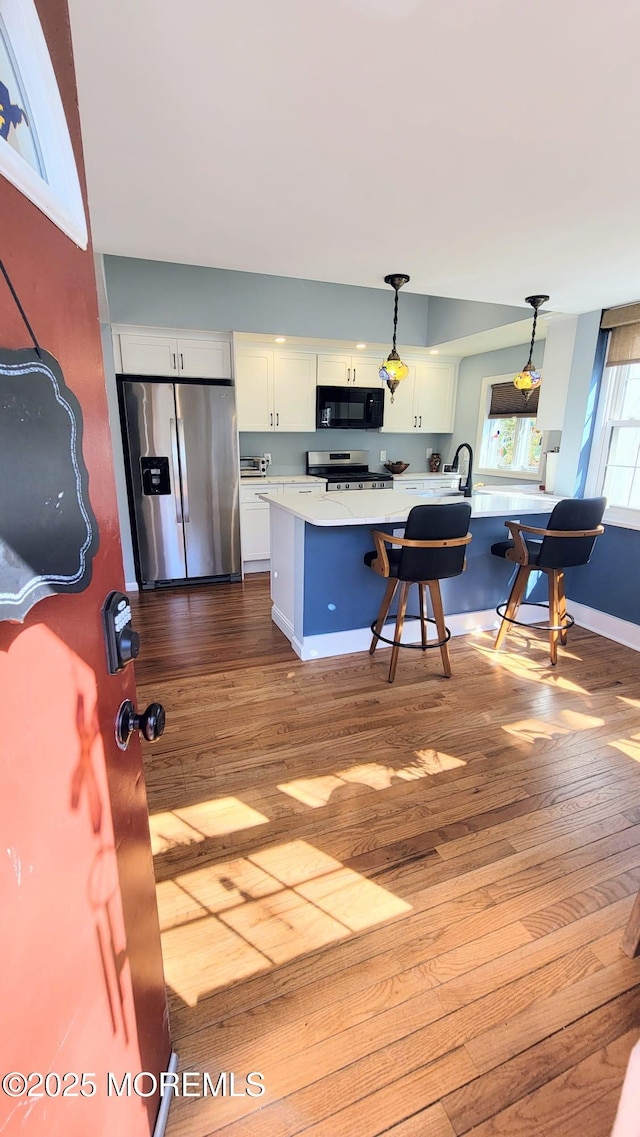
(176, 471)
(183, 467)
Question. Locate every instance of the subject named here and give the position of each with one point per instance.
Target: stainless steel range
(346, 470)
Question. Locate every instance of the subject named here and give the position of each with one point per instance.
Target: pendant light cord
(533, 335)
(395, 320)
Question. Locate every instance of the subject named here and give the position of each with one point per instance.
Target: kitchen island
(324, 599)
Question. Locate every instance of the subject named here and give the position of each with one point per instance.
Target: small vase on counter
(434, 463)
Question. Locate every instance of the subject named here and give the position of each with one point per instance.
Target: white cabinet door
(148, 355)
(365, 372)
(204, 359)
(334, 370)
(254, 389)
(434, 400)
(254, 531)
(294, 387)
(399, 415)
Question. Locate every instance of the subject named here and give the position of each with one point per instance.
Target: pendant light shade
(393, 370)
(529, 378)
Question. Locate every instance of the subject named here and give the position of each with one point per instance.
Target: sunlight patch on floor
(193, 823)
(531, 669)
(225, 922)
(629, 746)
(564, 722)
(629, 702)
(316, 792)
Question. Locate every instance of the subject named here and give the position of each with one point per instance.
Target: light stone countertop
(377, 507)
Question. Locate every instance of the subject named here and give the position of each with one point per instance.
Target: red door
(81, 980)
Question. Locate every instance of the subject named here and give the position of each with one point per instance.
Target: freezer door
(208, 443)
(152, 433)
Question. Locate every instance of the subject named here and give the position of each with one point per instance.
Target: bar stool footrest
(569, 621)
(401, 643)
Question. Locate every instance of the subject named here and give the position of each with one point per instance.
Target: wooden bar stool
(568, 542)
(433, 548)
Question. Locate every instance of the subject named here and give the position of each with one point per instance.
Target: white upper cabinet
(348, 371)
(424, 402)
(275, 390)
(294, 391)
(254, 388)
(148, 355)
(435, 397)
(206, 358)
(399, 415)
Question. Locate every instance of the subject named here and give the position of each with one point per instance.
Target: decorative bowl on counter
(396, 467)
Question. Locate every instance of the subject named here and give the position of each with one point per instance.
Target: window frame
(485, 401)
(607, 419)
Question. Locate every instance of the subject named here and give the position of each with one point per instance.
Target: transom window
(509, 441)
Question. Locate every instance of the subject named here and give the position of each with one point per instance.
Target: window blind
(624, 341)
(508, 402)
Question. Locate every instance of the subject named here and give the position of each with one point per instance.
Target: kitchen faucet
(466, 488)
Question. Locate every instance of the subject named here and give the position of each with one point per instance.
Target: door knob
(150, 723)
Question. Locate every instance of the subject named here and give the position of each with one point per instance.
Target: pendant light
(529, 378)
(393, 369)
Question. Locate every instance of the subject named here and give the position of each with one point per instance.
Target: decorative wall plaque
(48, 532)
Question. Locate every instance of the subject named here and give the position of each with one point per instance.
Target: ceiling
(488, 149)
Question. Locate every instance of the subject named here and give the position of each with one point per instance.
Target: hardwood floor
(401, 904)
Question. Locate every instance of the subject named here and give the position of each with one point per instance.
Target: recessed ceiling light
(434, 351)
(361, 345)
(280, 339)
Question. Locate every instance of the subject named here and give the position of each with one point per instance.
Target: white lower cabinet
(429, 487)
(254, 519)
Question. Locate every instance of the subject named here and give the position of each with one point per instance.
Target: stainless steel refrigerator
(182, 448)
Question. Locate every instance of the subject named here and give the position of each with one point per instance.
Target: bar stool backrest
(434, 523)
(571, 514)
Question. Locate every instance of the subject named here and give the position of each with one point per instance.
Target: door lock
(150, 723)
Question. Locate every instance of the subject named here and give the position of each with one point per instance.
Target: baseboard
(611, 627)
(131, 586)
(165, 1101)
(358, 639)
(256, 566)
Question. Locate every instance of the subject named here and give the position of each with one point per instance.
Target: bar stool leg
(562, 606)
(384, 611)
(554, 608)
(423, 613)
(438, 613)
(513, 603)
(402, 607)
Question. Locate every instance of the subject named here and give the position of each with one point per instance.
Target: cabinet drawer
(309, 490)
(251, 494)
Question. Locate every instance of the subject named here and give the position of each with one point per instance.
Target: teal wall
(452, 319)
(473, 369)
(160, 294)
(289, 451)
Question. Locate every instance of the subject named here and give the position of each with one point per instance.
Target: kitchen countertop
(379, 507)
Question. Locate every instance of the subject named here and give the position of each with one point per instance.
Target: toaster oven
(253, 467)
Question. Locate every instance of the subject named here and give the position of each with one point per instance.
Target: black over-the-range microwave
(354, 408)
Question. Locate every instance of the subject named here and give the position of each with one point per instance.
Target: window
(509, 441)
(615, 465)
